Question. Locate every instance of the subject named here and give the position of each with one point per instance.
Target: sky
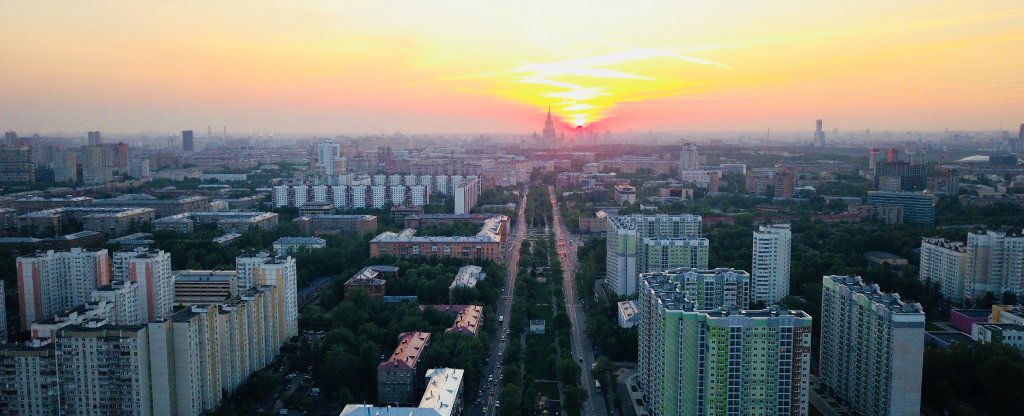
(446, 66)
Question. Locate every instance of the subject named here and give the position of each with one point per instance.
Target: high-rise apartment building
(28, 377)
(327, 153)
(709, 289)
(94, 138)
(125, 296)
(689, 158)
(466, 193)
(871, 349)
(95, 169)
(151, 270)
(138, 168)
(770, 268)
(16, 165)
(187, 141)
(673, 253)
(944, 263)
(65, 167)
(275, 271)
(695, 361)
(52, 281)
(995, 262)
(104, 370)
(120, 158)
(627, 254)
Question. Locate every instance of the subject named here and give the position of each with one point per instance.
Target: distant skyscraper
(138, 168)
(10, 136)
(819, 134)
(770, 270)
(120, 161)
(871, 350)
(94, 138)
(688, 158)
(548, 135)
(872, 158)
(327, 155)
(187, 144)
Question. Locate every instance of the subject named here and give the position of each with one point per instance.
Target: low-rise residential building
(883, 259)
(231, 221)
(397, 377)
(1011, 335)
(442, 397)
(467, 276)
(286, 245)
(486, 244)
(628, 314)
(116, 224)
(625, 194)
(366, 280)
(468, 318)
(161, 207)
(337, 224)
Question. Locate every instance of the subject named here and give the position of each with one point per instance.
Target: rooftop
(872, 292)
(442, 390)
(410, 346)
(306, 241)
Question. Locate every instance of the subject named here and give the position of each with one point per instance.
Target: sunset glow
(453, 66)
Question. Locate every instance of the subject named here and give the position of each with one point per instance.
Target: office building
(16, 165)
(770, 268)
(65, 167)
(916, 208)
(466, 193)
(125, 297)
(626, 251)
(204, 287)
(187, 141)
(50, 281)
(944, 263)
(995, 262)
(486, 244)
(151, 270)
(871, 348)
(673, 253)
(104, 370)
(28, 376)
(720, 361)
(442, 396)
(1011, 335)
(397, 378)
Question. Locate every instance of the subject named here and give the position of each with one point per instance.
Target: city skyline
(343, 67)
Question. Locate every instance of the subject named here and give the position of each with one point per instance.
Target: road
(490, 389)
(581, 348)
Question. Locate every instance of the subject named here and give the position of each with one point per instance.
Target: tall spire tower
(549, 128)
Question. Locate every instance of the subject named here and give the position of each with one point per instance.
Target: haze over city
(471, 67)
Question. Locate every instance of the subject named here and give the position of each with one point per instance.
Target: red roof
(410, 346)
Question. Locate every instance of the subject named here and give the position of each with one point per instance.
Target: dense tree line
(974, 379)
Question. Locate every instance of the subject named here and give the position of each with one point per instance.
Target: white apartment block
(673, 253)
(872, 355)
(280, 272)
(50, 281)
(770, 268)
(995, 263)
(28, 379)
(944, 262)
(125, 297)
(626, 252)
(327, 155)
(104, 370)
(466, 193)
(151, 270)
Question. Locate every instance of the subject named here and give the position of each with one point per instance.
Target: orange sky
(261, 66)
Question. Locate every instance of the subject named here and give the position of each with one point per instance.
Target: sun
(580, 119)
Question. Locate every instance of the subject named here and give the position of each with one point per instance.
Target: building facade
(397, 378)
(696, 361)
(626, 251)
(944, 263)
(872, 355)
(50, 281)
(770, 268)
(995, 262)
(915, 208)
